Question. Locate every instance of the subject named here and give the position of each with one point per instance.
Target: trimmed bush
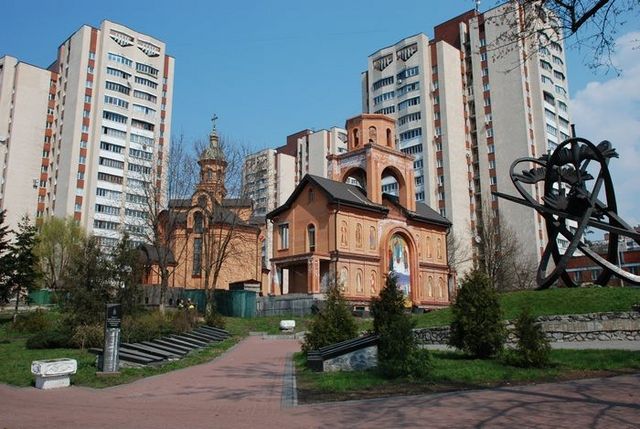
(184, 320)
(33, 322)
(86, 336)
(56, 337)
(333, 324)
(398, 352)
(532, 349)
(477, 327)
(214, 318)
(145, 327)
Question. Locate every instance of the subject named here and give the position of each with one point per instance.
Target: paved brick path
(243, 388)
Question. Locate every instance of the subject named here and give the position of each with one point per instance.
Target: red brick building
(347, 227)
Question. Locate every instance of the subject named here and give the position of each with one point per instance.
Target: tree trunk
(15, 314)
(164, 285)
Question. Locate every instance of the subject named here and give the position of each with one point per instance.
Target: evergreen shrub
(532, 349)
(398, 351)
(477, 327)
(332, 324)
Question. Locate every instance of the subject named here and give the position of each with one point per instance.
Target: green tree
(532, 349)
(333, 324)
(5, 259)
(127, 272)
(24, 272)
(59, 241)
(477, 326)
(89, 284)
(398, 352)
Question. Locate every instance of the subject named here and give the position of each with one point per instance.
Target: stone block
(358, 360)
(287, 325)
(53, 373)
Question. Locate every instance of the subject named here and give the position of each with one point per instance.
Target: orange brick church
(345, 226)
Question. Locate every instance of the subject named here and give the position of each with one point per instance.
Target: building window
(198, 223)
(197, 256)
(383, 97)
(311, 238)
(383, 82)
(311, 195)
(146, 69)
(410, 102)
(283, 231)
(562, 106)
(411, 134)
(113, 86)
(118, 73)
(119, 59)
(409, 118)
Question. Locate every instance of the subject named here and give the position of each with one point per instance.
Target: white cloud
(610, 110)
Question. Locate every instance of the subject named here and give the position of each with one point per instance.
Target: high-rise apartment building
(106, 130)
(25, 108)
(467, 112)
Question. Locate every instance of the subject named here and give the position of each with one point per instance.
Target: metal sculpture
(574, 177)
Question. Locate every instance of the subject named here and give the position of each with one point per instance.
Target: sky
(271, 68)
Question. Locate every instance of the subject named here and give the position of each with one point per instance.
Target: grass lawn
(269, 325)
(15, 358)
(549, 302)
(455, 371)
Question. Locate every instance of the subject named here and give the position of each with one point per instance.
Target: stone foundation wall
(612, 326)
(358, 360)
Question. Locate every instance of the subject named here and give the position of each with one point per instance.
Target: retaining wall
(612, 326)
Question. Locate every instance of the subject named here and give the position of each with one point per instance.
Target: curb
(289, 391)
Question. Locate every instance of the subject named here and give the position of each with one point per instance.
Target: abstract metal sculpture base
(574, 177)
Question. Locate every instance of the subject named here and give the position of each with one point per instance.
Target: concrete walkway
(243, 389)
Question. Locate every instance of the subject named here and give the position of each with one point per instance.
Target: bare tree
(458, 252)
(226, 233)
(501, 255)
(584, 24)
(165, 180)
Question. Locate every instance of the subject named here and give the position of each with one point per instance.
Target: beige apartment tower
(106, 132)
(467, 112)
(25, 109)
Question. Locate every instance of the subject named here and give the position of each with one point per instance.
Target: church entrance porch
(306, 274)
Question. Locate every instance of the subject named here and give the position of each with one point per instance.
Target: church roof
(152, 254)
(337, 192)
(237, 202)
(213, 151)
(353, 196)
(180, 202)
(423, 212)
